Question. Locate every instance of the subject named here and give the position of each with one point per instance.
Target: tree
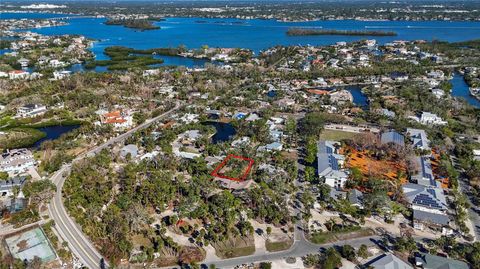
(363, 251)
(269, 230)
(265, 265)
(332, 259)
(348, 252)
(3, 175)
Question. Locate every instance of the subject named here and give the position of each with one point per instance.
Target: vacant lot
(235, 247)
(336, 135)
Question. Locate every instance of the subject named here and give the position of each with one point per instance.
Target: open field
(278, 246)
(235, 247)
(336, 135)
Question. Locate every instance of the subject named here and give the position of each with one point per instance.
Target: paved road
(66, 226)
(300, 248)
(473, 211)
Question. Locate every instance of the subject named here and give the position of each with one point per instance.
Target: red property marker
(225, 161)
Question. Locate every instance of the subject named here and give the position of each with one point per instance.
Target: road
(473, 211)
(66, 226)
(300, 248)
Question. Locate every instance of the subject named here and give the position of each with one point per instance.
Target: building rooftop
(428, 261)
(389, 261)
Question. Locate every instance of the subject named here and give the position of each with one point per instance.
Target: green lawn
(278, 246)
(329, 237)
(336, 135)
(236, 247)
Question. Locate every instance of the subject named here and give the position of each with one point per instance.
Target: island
(140, 24)
(310, 32)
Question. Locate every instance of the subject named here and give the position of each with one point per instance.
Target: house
(419, 138)
(330, 164)
(430, 118)
(61, 74)
(429, 206)
(129, 150)
(388, 261)
(31, 110)
(476, 154)
(16, 160)
(392, 137)
(181, 147)
(439, 93)
(23, 62)
(424, 175)
(427, 261)
(387, 113)
(18, 74)
(118, 119)
(355, 197)
(7, 186)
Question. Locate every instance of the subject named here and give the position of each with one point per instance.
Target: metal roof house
(419, 138)
(425, 175)
(429, 206)
(392, 137)
(330, 164)
(388, 261)
(427, 261)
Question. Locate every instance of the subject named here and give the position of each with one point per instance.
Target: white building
(18, 74)
(61, 74)
(31, 110)
(430, 118)
(330, 164)
(16, 160)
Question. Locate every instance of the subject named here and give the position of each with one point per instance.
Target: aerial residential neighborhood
(240, 134)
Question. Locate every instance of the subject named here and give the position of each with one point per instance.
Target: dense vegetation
(140, 24)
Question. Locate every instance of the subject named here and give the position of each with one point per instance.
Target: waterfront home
(18, 74)
(428, 261)
(419, 138)
(61, 74)
(56, 63)
(436, 74)
(429, 207)
(16, 161)
(439, 93)
(23, 62)
(31, 110)
(151, 72)
(388, 261)
(330, 164)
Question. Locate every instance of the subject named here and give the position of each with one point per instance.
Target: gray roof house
(429, 206)
(427, 261)
(356, 198)
(419, 138)
(129, 149)
(392, 137)
(6, 186)
(425, 175)
(330, 164)
(388, 261)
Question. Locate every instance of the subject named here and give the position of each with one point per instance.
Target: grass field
(237, 247)
(329, 237)
(278, 246)
(336, 135)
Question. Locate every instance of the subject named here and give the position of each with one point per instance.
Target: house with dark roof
(427, 261)
(388, 261)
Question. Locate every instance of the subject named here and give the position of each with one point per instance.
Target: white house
(16, 160)
(330, 164)
(18, 74)
(61, 74)
(31, 110)
(430, 118)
